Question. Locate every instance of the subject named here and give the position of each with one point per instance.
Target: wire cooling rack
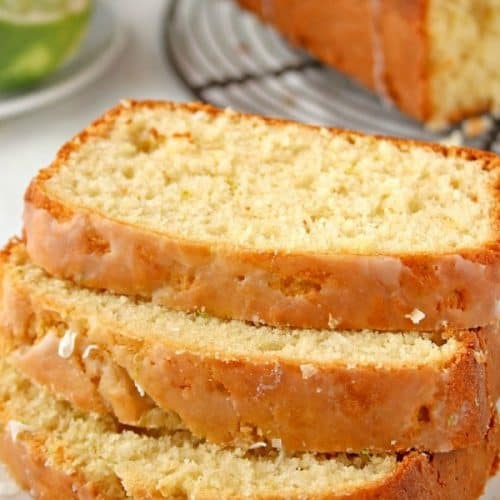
(227, 57)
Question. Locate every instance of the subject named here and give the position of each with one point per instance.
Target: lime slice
(37, 36)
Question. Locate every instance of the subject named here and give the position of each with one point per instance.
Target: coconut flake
(140, 390)
(258, 444)
(15, 428)
(416, 316)
(88, 350)
(67, 344)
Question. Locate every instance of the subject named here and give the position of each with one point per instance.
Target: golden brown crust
(28, 464)
(346, 291)
(94, 384)
(460, 475)
(335, 409)
(296, 289)
(57, 475)
(318, 406)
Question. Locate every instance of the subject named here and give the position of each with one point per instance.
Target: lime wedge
(37, 36)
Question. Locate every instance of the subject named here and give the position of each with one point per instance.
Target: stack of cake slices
(206, 304)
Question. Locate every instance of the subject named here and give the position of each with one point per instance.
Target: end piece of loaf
(60, 453)
(436, 60)
(271, 221)
(232, 382)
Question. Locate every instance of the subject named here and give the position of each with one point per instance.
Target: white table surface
(30, 141)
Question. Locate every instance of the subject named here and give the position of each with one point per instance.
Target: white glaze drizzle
(67, 344)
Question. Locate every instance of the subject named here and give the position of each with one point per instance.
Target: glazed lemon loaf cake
(436, 60)
(60, 453)
(271, 221)
(232, 382)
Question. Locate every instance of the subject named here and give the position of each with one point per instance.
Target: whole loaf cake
(436, 60)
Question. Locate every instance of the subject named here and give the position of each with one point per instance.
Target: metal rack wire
(227, 57)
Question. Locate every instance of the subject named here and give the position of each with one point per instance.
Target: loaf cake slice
(437, 60)
(57, 452)
(232, 382)
(271, 221)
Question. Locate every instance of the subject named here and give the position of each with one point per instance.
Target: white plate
(103, 42)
